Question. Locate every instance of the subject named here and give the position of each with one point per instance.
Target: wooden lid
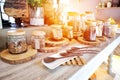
(38, 33)
(73, 14)
(16, 32)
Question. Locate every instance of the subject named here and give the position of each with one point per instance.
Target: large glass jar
(90, 32)
(75, 20)
(16, 41)
(38, 39)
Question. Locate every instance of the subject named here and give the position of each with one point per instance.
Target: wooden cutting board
(18, 58)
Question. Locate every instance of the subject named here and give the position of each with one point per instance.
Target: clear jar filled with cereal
(16, 41)
(38, 39)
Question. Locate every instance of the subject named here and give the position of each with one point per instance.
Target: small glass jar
(16, 41)
(56, 32)
(38, 39)
(90, 32)
(110, 30)
(68, 32)
(107, 29)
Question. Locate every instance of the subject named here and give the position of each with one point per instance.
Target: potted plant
(36, 12)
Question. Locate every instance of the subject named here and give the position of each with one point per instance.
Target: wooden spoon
(51, 59)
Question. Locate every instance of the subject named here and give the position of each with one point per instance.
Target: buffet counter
(36, 70)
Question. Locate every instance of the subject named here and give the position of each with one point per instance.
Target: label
(37, 44)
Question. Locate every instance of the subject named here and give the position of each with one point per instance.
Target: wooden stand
(93, 43)
(53, 43)
(18, 58)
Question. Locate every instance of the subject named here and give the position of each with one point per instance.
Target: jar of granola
(38, 39)
(16, 41)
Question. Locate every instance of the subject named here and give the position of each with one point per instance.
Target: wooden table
(35, 70)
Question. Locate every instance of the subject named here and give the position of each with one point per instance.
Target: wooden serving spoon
(51, 59)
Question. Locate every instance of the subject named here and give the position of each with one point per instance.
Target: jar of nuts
(16, 41)
(38, 39)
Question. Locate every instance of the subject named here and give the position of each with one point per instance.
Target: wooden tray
(18, 58)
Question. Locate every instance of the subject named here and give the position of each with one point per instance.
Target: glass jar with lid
(75, 20)
(109, 30)
(90, 31)
(68, 32)
(38, 39)
(16, 41)
(56, 32)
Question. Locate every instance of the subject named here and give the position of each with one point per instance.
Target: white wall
(83, 5)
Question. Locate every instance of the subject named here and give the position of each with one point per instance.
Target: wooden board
(93, 43)
(103, 38)
(18, 58)
(52, 43)
(49, 49)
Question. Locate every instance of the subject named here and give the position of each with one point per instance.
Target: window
(5, 17)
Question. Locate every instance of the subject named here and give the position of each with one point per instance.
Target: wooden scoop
(51, 59)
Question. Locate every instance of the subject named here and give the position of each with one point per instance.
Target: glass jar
(75, 20)
(37, 16)
(68, 32)
(56, 32)
(38, 39)
(107, 29)
(89, 15)
(90, 32)
(16, 41)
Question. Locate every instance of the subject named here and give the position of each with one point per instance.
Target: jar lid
(37, 32)
(73, 14)
(91, 22)
(68, 27)
(56, 26)
(16, 32)
(89, 12)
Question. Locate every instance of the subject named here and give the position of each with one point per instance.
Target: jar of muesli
(16, 41)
